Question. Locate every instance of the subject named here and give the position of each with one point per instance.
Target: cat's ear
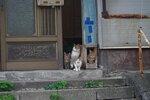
(64, 53)
(74, 44)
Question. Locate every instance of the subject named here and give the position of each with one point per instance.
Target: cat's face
(76, 47)
(91, 57)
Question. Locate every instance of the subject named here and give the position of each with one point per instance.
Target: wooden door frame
(3, 31)
(5, 40)
(60, 41)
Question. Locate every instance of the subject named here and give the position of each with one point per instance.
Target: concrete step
(113, 82)
(51, 75)
(29, 85)
(141, 82)
(116, 92)
(124, 99)
(105, 93)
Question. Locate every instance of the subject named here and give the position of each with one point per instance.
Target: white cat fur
(74, 56)
(77, 65)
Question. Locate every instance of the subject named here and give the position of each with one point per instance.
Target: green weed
(56, 96)
(90, 84)
(6, 86)
(100, 84)
(7, 97)
(57, 85)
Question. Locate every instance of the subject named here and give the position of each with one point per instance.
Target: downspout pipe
(105, 12)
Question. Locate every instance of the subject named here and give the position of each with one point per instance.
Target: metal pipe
(140, 52)
(105, 12)
(145, 38)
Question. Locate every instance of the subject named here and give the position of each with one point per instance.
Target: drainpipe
(105, 12)
(140, 51)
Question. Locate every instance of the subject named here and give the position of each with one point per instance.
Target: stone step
(105, 93)
(116, 92)
(113, 82)
(51, 75)
(29, 85)
(124, 99)
(141, 82)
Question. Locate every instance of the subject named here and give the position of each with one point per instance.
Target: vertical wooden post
(2, 36)
(140, 53)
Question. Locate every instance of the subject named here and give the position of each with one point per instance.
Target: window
(46, 20)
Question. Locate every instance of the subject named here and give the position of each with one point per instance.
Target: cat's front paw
(71, 65)
(75, 69)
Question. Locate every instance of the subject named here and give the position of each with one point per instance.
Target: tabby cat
(92, 56)
(67, 60)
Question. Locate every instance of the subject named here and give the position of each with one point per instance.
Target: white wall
(128, 6)
(122, 33)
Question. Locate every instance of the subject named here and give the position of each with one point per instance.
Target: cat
(67, 60)
(78, 64)
(92, 56)
(75, 55)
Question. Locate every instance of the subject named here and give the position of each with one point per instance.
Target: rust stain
(126, 42)
(127, 16)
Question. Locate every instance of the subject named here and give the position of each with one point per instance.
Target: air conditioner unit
(50, 2)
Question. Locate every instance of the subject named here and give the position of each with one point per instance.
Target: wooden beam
(32, 65)
(32, 39)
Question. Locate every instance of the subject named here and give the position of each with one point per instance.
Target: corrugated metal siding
(128, 6)
(122, 33)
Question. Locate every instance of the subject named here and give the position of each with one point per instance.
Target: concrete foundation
(50, 75)
(77, 94)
